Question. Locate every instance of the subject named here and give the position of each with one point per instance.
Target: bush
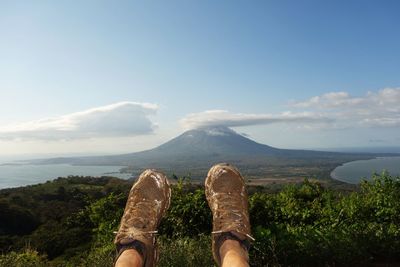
(26, 258)
(302, 225)
(185, 251)
(189, 214)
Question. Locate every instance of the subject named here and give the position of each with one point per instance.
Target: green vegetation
(70, 222)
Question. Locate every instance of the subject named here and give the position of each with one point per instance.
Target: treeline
(70, 222)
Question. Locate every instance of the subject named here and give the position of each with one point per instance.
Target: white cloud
(225, 118)
(119, 119)
(334, 110)
(329, 100)
(384, 97)
(375, 109)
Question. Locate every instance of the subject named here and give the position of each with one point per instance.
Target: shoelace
(146, 212)
(229, 210)
(230, 217)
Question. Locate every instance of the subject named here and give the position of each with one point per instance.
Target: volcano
(194, 151)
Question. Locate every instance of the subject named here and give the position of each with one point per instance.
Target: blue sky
(314, 74)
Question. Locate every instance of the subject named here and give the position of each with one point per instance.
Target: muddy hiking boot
(147, 203)
(227, 197)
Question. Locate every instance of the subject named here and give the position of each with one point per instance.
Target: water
(352, 172)
(14, 175)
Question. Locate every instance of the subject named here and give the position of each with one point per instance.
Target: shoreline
(19, 175)
(334, 176)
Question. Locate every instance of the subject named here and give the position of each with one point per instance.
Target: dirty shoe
(147, 203)
(227, 197)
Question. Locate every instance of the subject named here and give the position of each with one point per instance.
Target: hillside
(70, 222)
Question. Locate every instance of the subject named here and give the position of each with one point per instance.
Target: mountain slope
(196, 150)
(217, 140)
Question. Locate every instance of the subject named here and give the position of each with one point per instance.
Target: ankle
(233, 253)
(130, 253)
(228, 245)
(130, 257)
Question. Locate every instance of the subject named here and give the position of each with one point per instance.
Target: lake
(14, 175)
(352, 172)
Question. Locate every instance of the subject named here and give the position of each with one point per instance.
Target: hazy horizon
(30, 156)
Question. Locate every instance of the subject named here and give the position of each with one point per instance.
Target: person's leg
(227, 197)
(233, 254)
(147, 203)
(129, 258)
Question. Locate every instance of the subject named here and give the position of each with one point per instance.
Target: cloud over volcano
(225, 118)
